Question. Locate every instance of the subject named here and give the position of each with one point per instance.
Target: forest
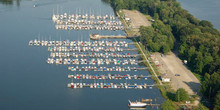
(197, 41)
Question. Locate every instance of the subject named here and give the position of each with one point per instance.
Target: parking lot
(181, 77)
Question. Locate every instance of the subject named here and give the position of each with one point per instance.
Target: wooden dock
(146, 100)
(128, 49)
(97, 36)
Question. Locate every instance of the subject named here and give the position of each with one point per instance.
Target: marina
(96, 55)
(33, 84)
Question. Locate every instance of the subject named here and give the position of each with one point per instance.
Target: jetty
(97, 36)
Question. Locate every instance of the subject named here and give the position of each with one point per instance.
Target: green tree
(217, 101)
(182, 49)
(147, 32)
(211, 86)
(156, 16)
(198, 64)
(201, 107)
(191, 52)
(205, 84)
(168, 105)
(205, 23)
(154, 46)
(165, 48)
(181, 95)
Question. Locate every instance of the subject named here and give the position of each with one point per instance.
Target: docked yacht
(136, 104)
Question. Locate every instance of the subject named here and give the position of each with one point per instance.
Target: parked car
(162, 55)
(177, 74)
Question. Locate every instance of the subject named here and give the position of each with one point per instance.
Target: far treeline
(197, 41)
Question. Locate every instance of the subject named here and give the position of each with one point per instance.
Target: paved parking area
(172, 65)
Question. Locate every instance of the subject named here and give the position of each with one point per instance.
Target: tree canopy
(181, 95)
(217, 101)
(168, 105)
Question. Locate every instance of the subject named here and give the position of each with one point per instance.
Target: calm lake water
(28, 83)
(204, 10)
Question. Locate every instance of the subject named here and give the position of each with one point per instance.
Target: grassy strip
(148, 66)
(151, 62)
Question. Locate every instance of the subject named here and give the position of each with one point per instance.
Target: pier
(108, 77)
(94, 68)
(97, 36)
(67, 43)
(88, 49)
(85, 61)
(92, 55)
(88, 27)
(109, 85)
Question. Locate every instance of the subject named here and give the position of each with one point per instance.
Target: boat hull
(130, 106)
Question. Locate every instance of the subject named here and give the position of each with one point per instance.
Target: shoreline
(161, 86)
